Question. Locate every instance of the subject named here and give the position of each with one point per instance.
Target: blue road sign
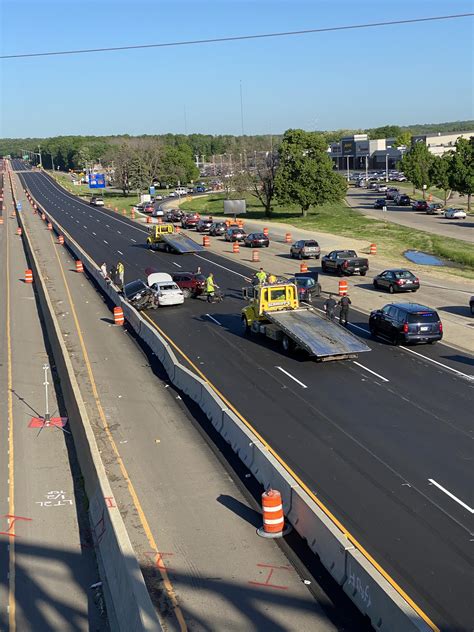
(96, 181)
(152, 190)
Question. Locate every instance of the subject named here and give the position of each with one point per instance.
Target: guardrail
(370, 588)
(128, 603)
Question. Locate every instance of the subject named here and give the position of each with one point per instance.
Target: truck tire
(245, 326)
(287, 344)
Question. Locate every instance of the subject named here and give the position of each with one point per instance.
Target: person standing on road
(261, 276)
(344, 305)
(103, 270)
(121, 273)
(210, 288)
(329, 307)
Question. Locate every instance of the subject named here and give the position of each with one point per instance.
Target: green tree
(440, 173)
(462, 168)
(305, 175)
(403, 138)
(387, 131)
(263, 180)
(416, 165)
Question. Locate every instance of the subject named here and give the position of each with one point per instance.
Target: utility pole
(386, 167)
(366, 167)
(185, 122)
(241, 110)
(40, 160)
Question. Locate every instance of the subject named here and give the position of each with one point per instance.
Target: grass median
(338, 219)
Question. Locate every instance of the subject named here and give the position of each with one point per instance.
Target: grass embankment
(112, 199)
(337, 219)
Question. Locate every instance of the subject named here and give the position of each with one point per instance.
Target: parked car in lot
(419, 205)
(403, 200)
(235, 234)
(391, 193)
(454, 213)
(199, 189)
(380, 203)
(217, 228)
(192, 283)
(256, 240)
(344, 262)
(399, 280)
(382, 188)
(96, 201)
(305, 249)
(307, 285)
(190, 220)
(203, 225)
(434, 208)
(167, 291)
(406, 322)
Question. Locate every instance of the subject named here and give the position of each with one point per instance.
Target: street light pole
(366, 167)
(386, 167)
(347, 163)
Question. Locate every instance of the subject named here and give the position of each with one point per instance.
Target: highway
(385, 442)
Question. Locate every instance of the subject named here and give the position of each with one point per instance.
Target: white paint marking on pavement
(370, 371)
(291, 376)
(216, 321)
(94, 234)
(120, 252)
(443, 489)
(176, 264)
(134, 240)
(119, 232)
(107, 226)
(213, 263)
(105, 242)
(84, 226)
(445, 366)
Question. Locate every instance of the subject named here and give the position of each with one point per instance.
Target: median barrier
(128, 603)
(322, 536)
(362, 582)
(132, 317)
(169, 361)
(375, 597)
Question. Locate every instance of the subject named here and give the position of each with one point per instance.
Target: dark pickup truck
(344, 262)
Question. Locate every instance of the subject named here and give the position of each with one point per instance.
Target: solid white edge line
(216, 321)
(291, 376)
(120, 252)
(460, 502)
(445, 366)
(370, 371)
(176, 264)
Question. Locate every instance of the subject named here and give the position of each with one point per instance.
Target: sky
(403, 74)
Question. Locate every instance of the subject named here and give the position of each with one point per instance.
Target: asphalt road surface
(384, 441)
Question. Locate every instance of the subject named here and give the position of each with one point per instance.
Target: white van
(167, 290)
(181, 191)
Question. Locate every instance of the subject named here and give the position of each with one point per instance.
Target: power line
(239, 37)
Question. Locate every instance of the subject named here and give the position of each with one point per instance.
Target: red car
(419, 205)
(190, 220)
(148, 208)
(192, 283)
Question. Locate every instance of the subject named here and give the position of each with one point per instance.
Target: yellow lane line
(146, 527)
(311, 494)
(11, 452)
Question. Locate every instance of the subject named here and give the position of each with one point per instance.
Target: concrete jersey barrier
(371, 592)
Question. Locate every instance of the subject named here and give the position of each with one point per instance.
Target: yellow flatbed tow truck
(274, 311)
(164, 237)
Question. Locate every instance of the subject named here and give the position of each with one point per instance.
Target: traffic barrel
(35, 206)
(60, 240)
(28, 276)
(79, 266)
(240, 223)
(124, 211)
(255, 255)
(177, 229)
(50, 226)
(119, 318)
(273, 517)
(235, 246)
(373, 249)
(19, 231)
(265, 232)
(1, 220)
(303, 267)
(132, 214)
(288, 238)
(116, 209)
(343, 287)
(43, 216)
(159, 220)
(206, 241)
(148, 220)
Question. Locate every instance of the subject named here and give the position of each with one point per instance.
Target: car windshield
(423, 317)
(167, 287)
(305, 282)
(133, 288)
(258, 236)
(404, 274)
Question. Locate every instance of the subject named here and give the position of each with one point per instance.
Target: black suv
(406, 322)
(403, 200)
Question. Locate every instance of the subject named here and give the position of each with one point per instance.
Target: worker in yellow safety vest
(261, 276)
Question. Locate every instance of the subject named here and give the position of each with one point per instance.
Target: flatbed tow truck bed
(181, 243)
(322, 338)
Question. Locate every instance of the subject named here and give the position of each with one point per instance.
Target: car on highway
(380, 203)
(190, 220)
(455, 213)
(471, 305)
(344, 262)
(256, 240)
(199, 189)
(96, 201)
(140, 296)
(172, 194)
(433, 208)
(192, 283)
(406, 322)
(180, 191)
(235, 234)
(403, 200)
(174, 215)
(157, 212)
(158, 198)
(305, 249)
(167, 291)
(398, 280)
(204, 225)
(217, 228)
(419, 205)
(307, 286)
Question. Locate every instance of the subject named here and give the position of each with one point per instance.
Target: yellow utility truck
(164, 237)
(274, 311)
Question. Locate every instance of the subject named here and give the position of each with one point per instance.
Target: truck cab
(156, 233)
(267, 298)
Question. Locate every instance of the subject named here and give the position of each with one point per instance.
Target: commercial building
(438, 144)
(357, 152)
